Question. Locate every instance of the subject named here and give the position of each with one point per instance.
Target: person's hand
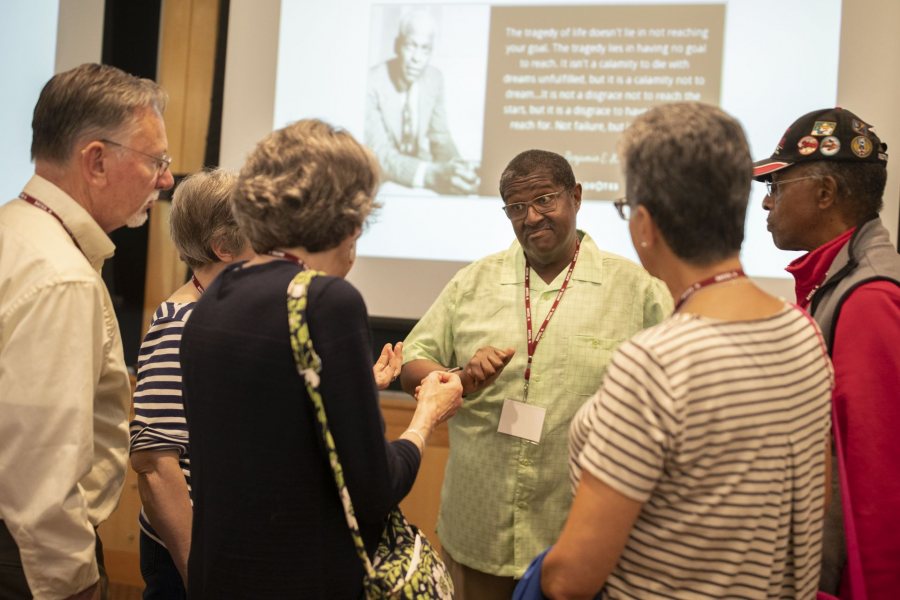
(452, 177)
(441, 394)
(484, 367)
(387, 367)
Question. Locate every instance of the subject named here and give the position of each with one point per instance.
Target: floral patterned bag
(405, 564)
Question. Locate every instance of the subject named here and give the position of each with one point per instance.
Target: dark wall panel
(130, 42)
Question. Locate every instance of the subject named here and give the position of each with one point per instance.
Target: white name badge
(522, 420)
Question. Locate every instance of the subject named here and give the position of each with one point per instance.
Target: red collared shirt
(867, 403)
(810, 269)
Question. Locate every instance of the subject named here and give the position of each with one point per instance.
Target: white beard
(140, 217)
(137, 219)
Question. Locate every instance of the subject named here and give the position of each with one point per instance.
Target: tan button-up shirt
(64, 390)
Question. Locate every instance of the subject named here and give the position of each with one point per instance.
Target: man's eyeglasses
(772, 187)
(542, 204)
(623, 208)
(162, 162)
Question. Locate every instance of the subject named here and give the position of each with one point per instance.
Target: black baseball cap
(833, 134)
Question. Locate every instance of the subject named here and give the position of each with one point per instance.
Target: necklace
(712, 280)
(285, 256)
(199, 287)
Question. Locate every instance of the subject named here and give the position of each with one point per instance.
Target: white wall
(37, 39)
(251, 62)
(79, 33)
(28, 48)
(869, 83)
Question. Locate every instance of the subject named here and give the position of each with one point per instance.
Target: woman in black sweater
(268, 522)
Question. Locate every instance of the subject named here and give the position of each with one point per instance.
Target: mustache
(528, 230)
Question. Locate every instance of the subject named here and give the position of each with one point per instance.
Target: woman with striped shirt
(207, 239)
(699, 466)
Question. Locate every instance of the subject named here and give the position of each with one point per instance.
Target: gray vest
(868, 256)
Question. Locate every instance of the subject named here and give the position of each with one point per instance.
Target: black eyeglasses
(543, 204)
(773, 187)
(162, 162)
(623, 208)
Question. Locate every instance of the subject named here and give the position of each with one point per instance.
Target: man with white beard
(99, 149)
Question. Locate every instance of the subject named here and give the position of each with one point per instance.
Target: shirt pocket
(588, 357)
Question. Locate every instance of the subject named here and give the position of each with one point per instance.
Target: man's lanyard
(534, 340)
(37, 203)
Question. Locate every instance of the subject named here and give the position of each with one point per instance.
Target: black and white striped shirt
(159, 422)
(719, 429)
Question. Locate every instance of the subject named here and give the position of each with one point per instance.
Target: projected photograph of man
(406, 122)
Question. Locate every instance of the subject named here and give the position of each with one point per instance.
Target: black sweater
(268, 522)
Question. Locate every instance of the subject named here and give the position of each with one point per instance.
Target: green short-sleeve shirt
(505, 499)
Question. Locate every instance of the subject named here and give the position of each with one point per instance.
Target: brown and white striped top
(719, 429)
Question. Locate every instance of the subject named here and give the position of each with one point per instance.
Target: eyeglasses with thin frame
(542, 204)
(162, 162)
(772, 187)
(623, 208)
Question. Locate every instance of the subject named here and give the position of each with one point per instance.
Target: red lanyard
(533, 341)
(717, 278)
(37, 203)
(812, 292)
(197, 284)
(286, 256)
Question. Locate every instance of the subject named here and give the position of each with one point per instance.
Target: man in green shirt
(533, 329)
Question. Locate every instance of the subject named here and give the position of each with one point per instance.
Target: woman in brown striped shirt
(699, 467)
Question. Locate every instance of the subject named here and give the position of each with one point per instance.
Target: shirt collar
(588, 268)
(811, 269)
(94, 242)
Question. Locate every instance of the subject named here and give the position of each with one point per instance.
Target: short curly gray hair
(201, 216)
(689, 165)
(307, 185)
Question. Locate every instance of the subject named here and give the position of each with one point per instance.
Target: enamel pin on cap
(830, 146)
(807, 145)
(830, 134)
